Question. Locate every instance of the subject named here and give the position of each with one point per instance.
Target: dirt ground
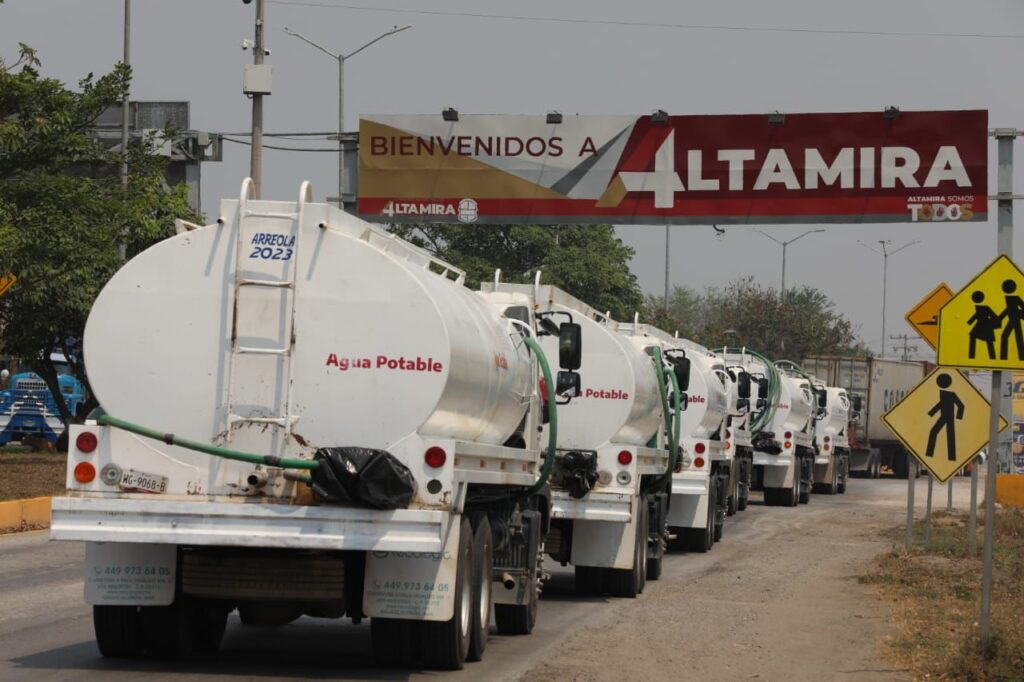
(784, 603)
(26, 474)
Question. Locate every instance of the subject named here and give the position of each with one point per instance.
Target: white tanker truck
(307, 415)
(696, 516)
(783, 461)
(832, 444)
(607, 507)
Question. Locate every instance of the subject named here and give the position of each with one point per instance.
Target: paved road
(46, 629)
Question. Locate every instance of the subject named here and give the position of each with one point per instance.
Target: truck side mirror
(681, 367)
(684, 401)
(567, 385)
(822, 399)
(743, 385)
(762, 392)
(855, 402)
(570, 345)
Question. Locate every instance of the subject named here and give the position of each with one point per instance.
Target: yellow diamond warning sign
(6, 282)
(983, 325)
(943, 422)
(924, 317)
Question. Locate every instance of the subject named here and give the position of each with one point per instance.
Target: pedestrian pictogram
(6, 282)
(924, 317)
(943, 422)
(982, 326)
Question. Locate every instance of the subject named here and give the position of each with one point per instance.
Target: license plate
(140, 481)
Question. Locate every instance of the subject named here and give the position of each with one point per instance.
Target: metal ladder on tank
(284, 420)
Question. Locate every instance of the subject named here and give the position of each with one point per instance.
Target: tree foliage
(588, 261)
(745, 313)
(63, 210)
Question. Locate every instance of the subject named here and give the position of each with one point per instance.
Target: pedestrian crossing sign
(924, 317)
(943, 422)
(982, 327)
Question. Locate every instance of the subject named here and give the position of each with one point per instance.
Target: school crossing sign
(943, 422)
(982, 327)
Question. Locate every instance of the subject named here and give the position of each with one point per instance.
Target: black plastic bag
(364, 477)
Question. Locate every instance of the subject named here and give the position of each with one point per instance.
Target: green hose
(764, 418)
(171, 439)
(673, 423)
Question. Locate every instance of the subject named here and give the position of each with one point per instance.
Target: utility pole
(256, 151)
(885, 253)
(907, 347)
(784, 244)
(122, 249)
(341, 58)
(666, 269)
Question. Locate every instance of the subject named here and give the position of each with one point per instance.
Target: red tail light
(699, 448)
(85, 472)
(728, 433)
(435, 457)
(625, 457)
(787, 435)
(699, 462)
(788, 445)
(86, 442)
(827, 439)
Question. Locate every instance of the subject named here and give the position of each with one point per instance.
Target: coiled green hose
(764, 418)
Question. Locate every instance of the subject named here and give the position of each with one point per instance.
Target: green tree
(745, 313)
(588, 261)
(63, 210)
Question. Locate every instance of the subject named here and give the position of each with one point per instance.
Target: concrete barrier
(1010, 490)
(34, 511)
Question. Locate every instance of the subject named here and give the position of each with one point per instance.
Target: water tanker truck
(873, 385)
(696, 516)
(302, 414)
(832, 444)
(748, 413)
(28, 408)
(608, 511)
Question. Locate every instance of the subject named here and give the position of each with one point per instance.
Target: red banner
(799, 168)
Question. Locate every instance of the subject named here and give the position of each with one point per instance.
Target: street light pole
(885, 253)
(122, 248)
(784, 245)
(256, 151)
(341, 59)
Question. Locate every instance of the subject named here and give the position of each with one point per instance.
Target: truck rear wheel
(446, 644)
(189, 628)
(394, 641)
(118, 630)
(629, 582)
(734, 498)
(702, 539)
(589, 580)
(483, 564)
(517, 619)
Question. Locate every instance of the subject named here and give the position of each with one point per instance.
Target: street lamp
(341, 58)
(784, 244)
(885, 253)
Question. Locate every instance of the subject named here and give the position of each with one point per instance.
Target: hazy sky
(190, 50)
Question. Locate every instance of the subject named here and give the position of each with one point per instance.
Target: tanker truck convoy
(353, 432)
(608, 497)
(873, 386)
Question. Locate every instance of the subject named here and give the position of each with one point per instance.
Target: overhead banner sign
(911, 166)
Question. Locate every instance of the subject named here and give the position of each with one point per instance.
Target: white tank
(794, 406)
(708, 392)
(378, 345)
(837, 416)
(619, 400)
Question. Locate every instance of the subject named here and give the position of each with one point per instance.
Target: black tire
(394, 641)
(732, 504)
(654, 567)
(589, 580)
(483, 567)
(118, 631)
(741, 505)
(517, 619)
(629, 582)
(703, 539)
(189, 628)
(446, 644)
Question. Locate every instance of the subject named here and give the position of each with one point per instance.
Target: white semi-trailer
(696, 516)
(874, 385)
(607, 509)
(307, 415)
(832, 444)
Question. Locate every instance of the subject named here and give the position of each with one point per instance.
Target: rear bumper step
(247, 525)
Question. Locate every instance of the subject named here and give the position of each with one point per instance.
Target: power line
(282, 149)
(644, 24)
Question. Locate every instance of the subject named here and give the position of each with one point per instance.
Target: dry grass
(30, 474)
(935, 594)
